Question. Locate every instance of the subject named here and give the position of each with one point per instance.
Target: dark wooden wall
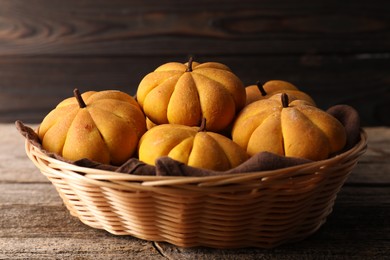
(337, 51)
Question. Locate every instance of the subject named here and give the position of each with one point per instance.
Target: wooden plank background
(337, 51)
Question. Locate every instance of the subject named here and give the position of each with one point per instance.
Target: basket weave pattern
(259, 209)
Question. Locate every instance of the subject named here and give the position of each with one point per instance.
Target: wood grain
(338, 52)
(34, 223)
(47, 27)
(31, 87)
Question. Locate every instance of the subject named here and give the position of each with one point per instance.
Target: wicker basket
(259, 209)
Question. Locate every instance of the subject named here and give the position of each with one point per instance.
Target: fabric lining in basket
(166, 166)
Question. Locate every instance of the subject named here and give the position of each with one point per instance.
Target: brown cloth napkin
(166, 166)
(263, 161)
(350, 119)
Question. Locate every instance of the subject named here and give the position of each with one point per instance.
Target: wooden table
(34, 223)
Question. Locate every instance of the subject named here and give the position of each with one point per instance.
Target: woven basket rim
(103, 176)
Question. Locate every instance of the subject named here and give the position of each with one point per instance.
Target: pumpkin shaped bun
(185, 93)
(101, 126)
(192, 146)
(272, 87)
(294, 129)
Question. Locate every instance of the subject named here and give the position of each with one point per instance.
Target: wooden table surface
(34, 223)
